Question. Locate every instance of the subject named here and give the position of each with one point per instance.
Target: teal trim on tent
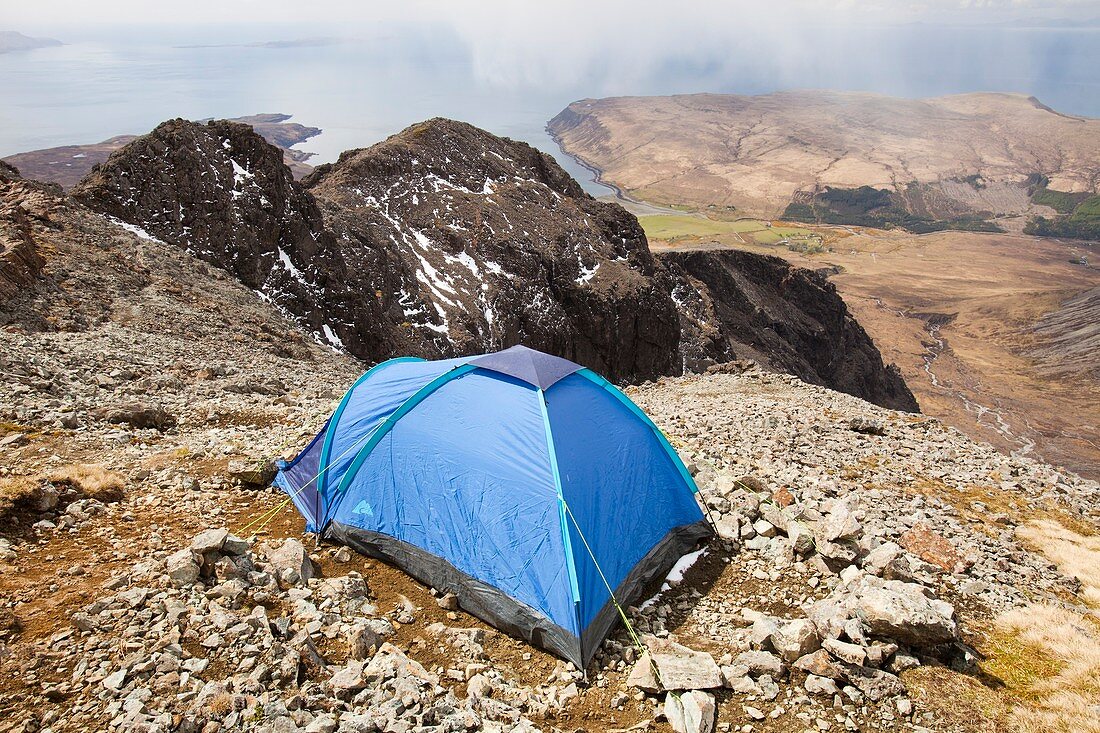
(326, 446)
(569, 560)
(419, 396)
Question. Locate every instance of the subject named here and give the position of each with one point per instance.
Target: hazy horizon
(507, 67)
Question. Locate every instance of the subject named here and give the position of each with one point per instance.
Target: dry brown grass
(1067, 699)
(221, 704)
(16, 490)
(1075, 554)
(93, 481)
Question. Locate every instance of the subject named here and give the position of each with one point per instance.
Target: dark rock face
(441, 241)
(222, 192)
(504, 248)
(737, 304)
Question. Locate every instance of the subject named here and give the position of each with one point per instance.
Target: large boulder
(691, 712)
(903, 611)
(667, 665)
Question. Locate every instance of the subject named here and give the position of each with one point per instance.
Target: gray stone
(768, 689)
(348, 678)
(764, 528)
(479, 686)
(759, 663)
(845, 652)
(795, 639)
(820, 686)
(323, 723)
(867, 426)
(235, 546)
(210, 540)
(802, 541)
(839, 524)
(878, 558)
(902, 662)
(677, 668)
(728, 527)
(115, 680)
(362, 641)
(874, 683)
(902, 611)
(290, 559)
(258, 473)
(691, 712)
(821, 664)
(829, 616)
(762, 631)
(182, 568)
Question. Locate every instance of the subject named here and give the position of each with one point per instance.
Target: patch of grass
(1020, 665)
(1087, 211)
(671, 227)
(15, 490)
(676, 228)
(1056, 664)
(1079, 213)
(879, 208)
(1075, 554)
(95, 482)
(1060, 201)
(957, 701)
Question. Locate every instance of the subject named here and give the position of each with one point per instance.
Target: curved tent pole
(626, 401)
(330, 431)
(360, 458)
(567, 543)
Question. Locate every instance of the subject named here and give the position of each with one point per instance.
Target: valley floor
(958, 312)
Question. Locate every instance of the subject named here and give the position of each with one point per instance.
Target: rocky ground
(874, 570)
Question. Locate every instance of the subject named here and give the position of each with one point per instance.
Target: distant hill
(67, 164)
(964, 162)
(13, 41)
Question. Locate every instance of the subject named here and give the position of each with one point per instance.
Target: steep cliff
(20, 261)
(736, 304)
(223, 193)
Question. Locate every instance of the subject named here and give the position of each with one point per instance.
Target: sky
(472, 14)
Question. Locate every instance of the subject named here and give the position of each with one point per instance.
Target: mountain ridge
(444, 240)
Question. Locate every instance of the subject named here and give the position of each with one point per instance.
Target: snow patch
(332, 338)
(134, 229)
(284, 258)
(587, 274)
(676, 574)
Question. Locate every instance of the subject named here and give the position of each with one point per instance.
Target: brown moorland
(969, 152)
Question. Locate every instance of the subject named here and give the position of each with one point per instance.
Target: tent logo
(363, 507)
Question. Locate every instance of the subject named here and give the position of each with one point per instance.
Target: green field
(1079, 214)
(679, 229)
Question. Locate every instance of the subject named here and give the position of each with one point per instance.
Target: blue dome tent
(521, 482)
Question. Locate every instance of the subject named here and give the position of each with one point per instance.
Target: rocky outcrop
(737, 305)
(443, 240)
(505, 248)
(20, 261)
(223, 193)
